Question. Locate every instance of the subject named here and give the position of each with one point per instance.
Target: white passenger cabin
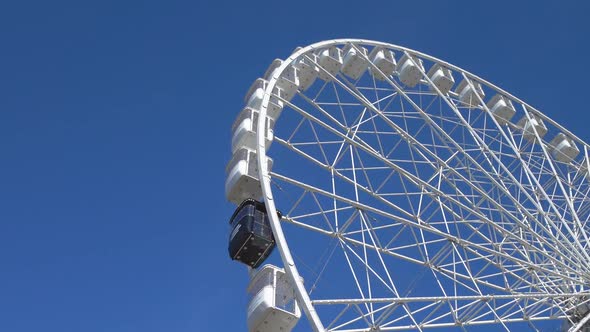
(408, 69)
(441, 77)
(242, 176)
(272, 306)
(355, 61)
(255, 95)
(287, 82)
(307, 69)
(330, 59)
(529, 127)
(244, 130)
(468, 92)
(563, 148)
(501, 108)
(383, 61)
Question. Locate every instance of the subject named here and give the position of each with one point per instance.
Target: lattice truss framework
(408, 208)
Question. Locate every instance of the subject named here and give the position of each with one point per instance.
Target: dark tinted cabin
(251, 240)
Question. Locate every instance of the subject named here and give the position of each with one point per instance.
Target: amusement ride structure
(404, 193)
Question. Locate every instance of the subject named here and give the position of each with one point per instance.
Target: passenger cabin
(383, 63)
(441, 77)
(307, 69)
(251, 239)
(563, 148)
(287, 82)
(272, 306)
(242, 176)
(468, 92)
(529, 127)
(255, 96)
(355, 61)
(330, 59)
(410, 70)
(244, 130)
(501, 108)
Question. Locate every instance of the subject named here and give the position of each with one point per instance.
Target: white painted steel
(493, 215)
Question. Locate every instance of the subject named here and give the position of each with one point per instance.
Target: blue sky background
(115, 130)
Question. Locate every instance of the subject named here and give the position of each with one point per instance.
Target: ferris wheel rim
(265, 176)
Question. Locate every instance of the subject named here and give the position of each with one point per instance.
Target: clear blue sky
(115, 130)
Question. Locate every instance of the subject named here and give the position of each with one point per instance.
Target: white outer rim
(263, 173)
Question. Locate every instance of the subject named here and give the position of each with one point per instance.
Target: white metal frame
(553, 199)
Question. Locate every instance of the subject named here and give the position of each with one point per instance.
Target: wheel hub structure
(416, 195)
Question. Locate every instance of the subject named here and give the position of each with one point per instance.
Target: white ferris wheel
(413, 195)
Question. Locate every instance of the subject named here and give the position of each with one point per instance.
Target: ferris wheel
(413, 195)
